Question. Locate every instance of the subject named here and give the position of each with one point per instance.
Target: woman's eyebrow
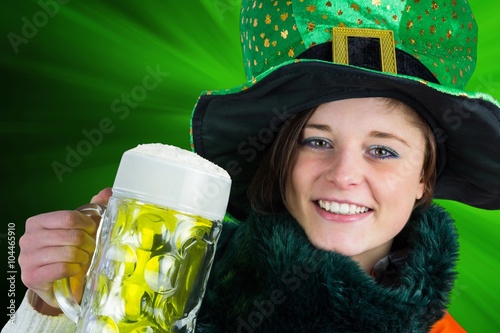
(374, 134)
(321, 127)
(385, 135)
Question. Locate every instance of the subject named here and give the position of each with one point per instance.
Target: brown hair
(266, 192)
(430, 153)
(267, 189)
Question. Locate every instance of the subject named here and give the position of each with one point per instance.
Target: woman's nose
(345, 169)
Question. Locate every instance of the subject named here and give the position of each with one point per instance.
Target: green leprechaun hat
(301, 53)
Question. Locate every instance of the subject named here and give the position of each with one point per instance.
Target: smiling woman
(267, 192)
(365, 165)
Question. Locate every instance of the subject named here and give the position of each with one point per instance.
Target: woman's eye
(317, 143)
(382, 152)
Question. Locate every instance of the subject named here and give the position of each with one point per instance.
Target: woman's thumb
(102, 197)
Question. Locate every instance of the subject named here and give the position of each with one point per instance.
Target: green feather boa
(267, 277)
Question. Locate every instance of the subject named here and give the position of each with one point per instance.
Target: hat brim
(234, 128)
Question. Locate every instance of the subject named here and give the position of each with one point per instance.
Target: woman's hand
(58, 245)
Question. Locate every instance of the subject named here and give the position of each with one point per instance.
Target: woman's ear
(421, 187)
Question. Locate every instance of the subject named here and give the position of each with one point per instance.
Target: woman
(336, 250)
(338, 234)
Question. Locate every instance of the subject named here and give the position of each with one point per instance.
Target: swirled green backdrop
(82, 81)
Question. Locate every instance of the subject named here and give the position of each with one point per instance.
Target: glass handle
(62, 288)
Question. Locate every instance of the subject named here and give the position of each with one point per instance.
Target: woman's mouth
(342, 208)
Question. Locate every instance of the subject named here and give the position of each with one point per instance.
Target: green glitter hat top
(441, 35)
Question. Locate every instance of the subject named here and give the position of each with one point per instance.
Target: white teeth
(343, 208)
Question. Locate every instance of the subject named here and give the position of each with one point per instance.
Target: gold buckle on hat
(387, 50)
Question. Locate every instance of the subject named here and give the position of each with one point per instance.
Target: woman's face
(357, 174)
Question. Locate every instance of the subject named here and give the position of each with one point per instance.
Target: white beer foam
(179, 155)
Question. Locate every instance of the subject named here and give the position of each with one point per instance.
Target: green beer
(152, 269)
(155, 246)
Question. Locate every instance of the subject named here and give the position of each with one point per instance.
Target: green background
(77, 66)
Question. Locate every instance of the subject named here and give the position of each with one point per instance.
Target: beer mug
(155, 244)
